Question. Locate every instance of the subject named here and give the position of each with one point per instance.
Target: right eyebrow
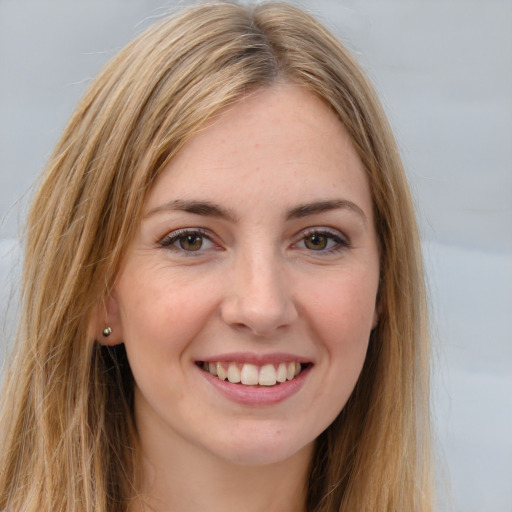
(205, 208)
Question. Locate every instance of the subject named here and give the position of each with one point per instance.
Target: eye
(316, 242)
(322, 241)
(187, 240)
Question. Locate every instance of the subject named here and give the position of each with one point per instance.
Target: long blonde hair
(68, 435)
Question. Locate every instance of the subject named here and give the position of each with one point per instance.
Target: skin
(267, 278)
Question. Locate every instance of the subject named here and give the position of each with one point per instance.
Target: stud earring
(107, 332)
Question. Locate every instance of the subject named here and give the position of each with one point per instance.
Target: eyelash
(169, 240)
(340, 243)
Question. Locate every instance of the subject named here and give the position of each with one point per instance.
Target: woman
(223, 301)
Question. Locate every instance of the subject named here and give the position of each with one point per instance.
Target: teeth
(268, 376)
(221, 373)
(290, 371)
(251, 374)
(281, 372)
(233, 373)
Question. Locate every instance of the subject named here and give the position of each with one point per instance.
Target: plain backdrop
(443, 69)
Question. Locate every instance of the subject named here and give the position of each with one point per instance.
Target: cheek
(165, 317)
(342, 317)
(345, 308)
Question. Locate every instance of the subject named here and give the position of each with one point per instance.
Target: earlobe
(375, 319)
(107, 332)
(376, 313)
(107, 323)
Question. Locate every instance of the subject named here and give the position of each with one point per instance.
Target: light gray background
(444, 73)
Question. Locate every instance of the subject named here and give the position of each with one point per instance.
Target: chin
(258, 448)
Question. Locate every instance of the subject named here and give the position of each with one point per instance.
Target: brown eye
(192, 242)
(316, 242)
(187, 241)
(322, 241)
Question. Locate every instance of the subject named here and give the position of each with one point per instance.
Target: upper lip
(257, 359)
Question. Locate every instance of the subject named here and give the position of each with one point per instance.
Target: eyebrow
(205, 208)
(324, 206)
(209, 209)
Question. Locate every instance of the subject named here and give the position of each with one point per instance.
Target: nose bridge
(259, 297)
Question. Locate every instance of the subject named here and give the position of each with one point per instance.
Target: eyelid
(169, 239)
(342, 241)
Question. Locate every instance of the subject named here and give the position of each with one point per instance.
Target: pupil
(191, 242)
(317, 242)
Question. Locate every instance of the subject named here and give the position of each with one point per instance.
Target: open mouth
(250, 374)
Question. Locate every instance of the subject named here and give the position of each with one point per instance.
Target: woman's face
(256, 260)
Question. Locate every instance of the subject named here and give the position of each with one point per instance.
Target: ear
(375, 319)
(376, 312)
(107, 318)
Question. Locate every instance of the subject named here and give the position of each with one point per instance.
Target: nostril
(260, 318)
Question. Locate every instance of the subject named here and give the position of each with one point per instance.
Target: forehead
(281, 141)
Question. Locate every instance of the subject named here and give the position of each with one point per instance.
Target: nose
(259, 298)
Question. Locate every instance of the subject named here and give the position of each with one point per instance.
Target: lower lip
(258, 395)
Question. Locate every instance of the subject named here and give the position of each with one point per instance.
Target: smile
(250, 374)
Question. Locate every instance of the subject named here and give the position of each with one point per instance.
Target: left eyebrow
(316, 207)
